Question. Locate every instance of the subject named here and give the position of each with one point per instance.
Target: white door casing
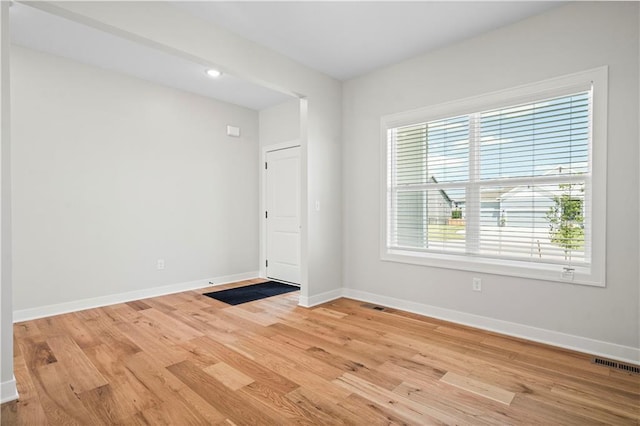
(282, 215)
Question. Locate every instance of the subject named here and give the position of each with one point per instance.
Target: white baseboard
(112, 299)
(308, 302)
(8, 391)
(554, 338)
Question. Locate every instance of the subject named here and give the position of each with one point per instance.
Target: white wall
(280, 123)
(171, 29)
(8, 390)
(568, 39)
(111, 173)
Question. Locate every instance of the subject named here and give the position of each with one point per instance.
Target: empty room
(320, 213)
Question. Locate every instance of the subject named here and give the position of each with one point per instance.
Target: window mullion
(392, 225)
(473, 187)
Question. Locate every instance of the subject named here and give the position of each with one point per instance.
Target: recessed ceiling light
(213, 73)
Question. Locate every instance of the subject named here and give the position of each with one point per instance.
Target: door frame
(263, 202)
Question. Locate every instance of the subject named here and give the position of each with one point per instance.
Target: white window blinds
(506, 183)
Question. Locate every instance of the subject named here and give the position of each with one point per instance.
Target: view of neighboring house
(519, 206)
(439, 205)
(516, 218)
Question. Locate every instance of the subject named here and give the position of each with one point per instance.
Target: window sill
(541, 272)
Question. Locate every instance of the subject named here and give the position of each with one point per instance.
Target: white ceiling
(38, 30)
(341, 39)
(347, 39)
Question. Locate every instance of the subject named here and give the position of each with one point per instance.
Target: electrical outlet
(477, 284)
(160, 264)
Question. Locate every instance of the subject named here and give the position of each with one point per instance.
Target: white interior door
(282, 216)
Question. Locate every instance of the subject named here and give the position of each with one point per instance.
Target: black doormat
(249, 293)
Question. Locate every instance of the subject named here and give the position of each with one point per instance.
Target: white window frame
(595, 198)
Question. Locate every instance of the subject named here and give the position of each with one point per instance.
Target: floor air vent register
(629, 368)
(374, 307)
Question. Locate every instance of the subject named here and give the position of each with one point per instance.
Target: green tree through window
(566, 220)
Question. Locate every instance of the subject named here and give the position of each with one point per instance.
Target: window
(509, 183)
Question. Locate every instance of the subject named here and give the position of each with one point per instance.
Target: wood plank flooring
(186, 359)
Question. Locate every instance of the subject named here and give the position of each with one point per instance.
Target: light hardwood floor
(187, 359)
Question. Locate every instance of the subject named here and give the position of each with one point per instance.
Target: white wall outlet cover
(567, 274)
(477, 284)
(233, 131)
